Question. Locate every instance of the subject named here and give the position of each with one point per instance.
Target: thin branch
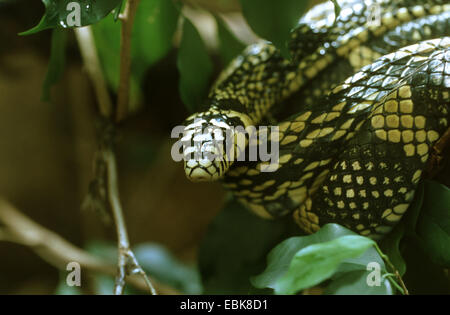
(91, 61)
(123, 96)
(390, 277)
(113, 197)
(127, 262)
(57, 251)
(442, 143)
(437, 152)
(392, 267)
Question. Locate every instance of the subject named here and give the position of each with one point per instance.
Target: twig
(88, 50)
(57, 251)
(437, 151)
(126, 261)
(390, 277)
(392, 267)
(123, 96)
(442, 142)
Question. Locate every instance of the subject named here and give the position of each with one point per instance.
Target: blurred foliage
(229, 45)
(273, 20)
(433, 225)
(235, 247)
(107, 41)
(100, 285)
(391, 243)
(195, 67)
(157, 261)
(64, 289)
(57, 13)
(154, 26)
(57, 62)
(305, 261)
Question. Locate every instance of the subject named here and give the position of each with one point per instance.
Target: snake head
(209, 144)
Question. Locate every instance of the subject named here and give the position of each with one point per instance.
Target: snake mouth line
(210, 148)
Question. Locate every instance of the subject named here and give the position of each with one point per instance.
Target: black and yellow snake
(358, 107)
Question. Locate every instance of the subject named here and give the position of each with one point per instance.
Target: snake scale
(358, 107)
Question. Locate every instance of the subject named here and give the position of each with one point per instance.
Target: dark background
(46, 153)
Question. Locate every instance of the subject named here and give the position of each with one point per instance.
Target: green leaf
(354, 282)
(391, 247)
(153, 29)
(347, 276)
(337, 8)
(412, 215)
(229, 45)
(390, 244)
(162, 265)
(107, 39)
(156, 260)
(351, 276)
(195, 67)
(273, 20)
(64, 289)
(235, 247)
(103, 249)
(154, 26)
(57, 62)
(316, 263)
(104, 285)
(69, 13)
(280, 257)
(422, 275)
(117, 11)
(433, 225)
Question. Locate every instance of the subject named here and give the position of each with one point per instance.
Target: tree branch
(88, 51)
(437, 154)
(127, 262)
(396, 273)
(57, 251)
(123, 96)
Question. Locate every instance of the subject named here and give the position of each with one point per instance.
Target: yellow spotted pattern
(342, 156)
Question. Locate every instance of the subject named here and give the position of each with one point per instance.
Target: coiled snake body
(369, 103)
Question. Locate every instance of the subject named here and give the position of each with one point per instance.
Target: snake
(358, 107)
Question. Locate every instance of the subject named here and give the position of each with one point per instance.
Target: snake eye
(211, 144)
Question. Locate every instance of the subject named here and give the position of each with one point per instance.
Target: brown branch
(88, 51)
(402, 286)
(437, 151)
(123, 96)
(57, 251)
(443, 142)
(127, 262)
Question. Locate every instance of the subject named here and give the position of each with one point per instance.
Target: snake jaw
(212, 141)
(205, 149)
(206, 168)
